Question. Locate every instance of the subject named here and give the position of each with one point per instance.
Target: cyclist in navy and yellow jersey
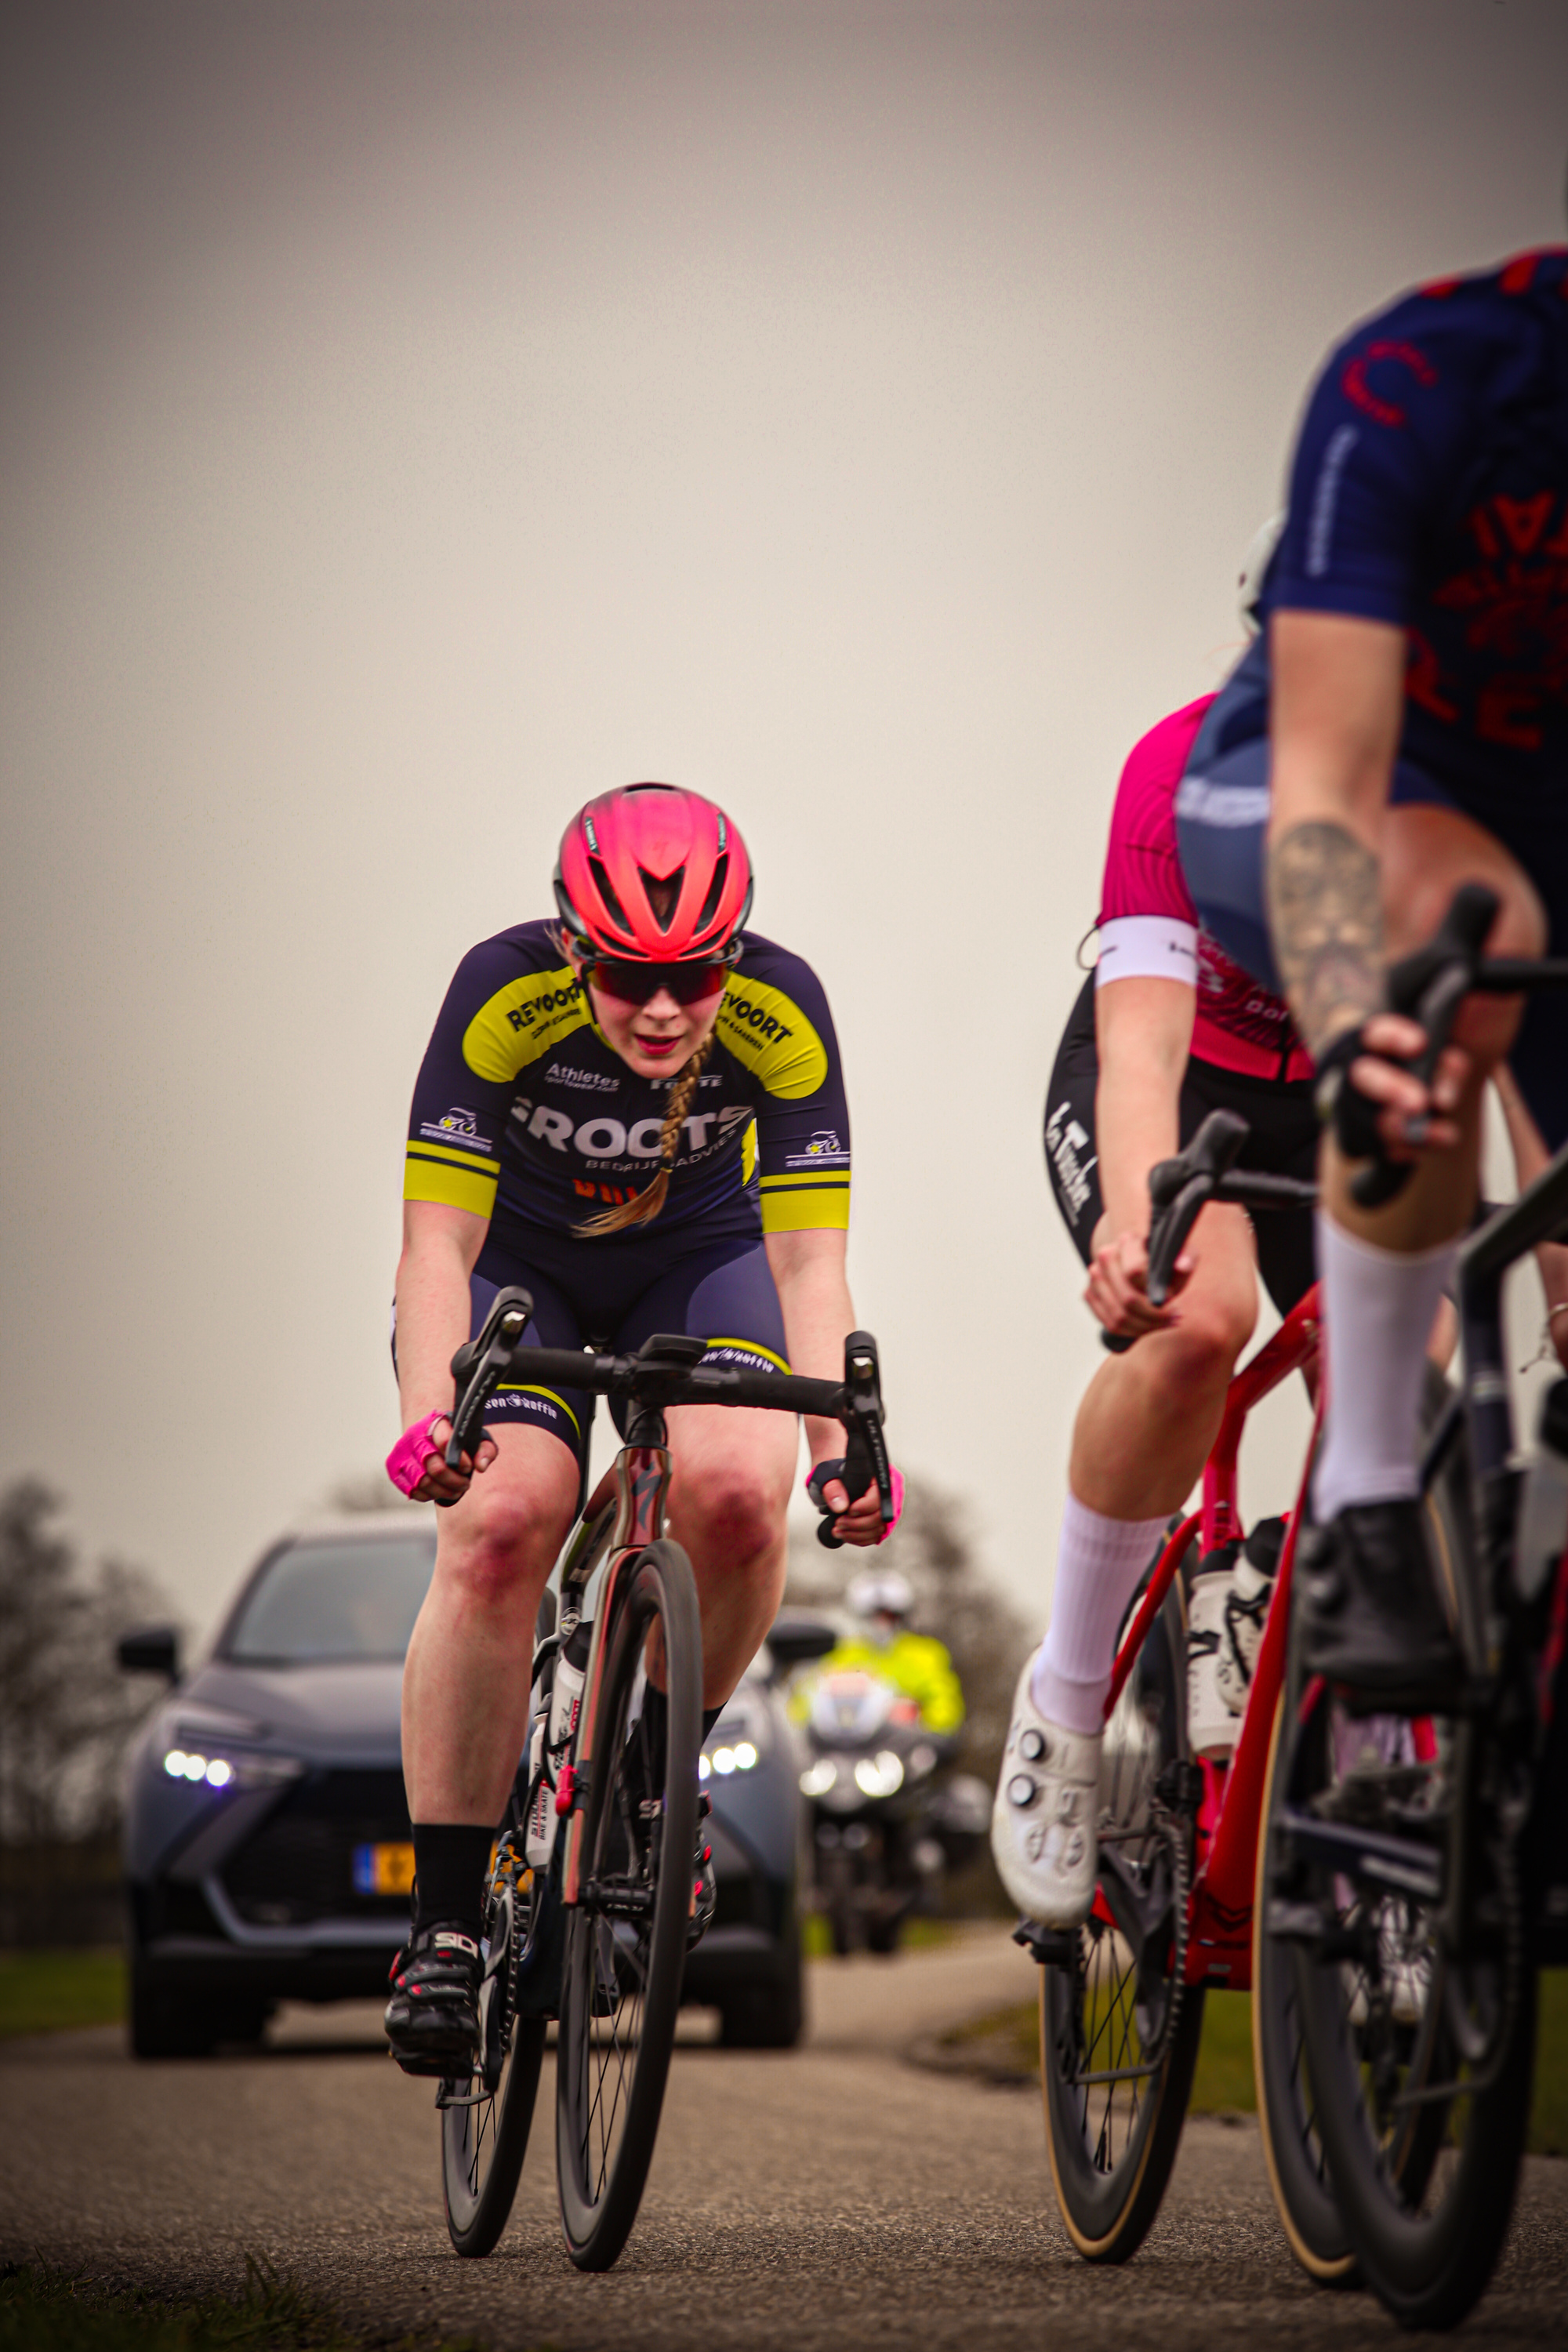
(639, 1113)
(1400, 729)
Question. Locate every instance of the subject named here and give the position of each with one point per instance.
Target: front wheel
(625, 1937)
(1292, 2144)
(1119, 2031)
(486, 2116)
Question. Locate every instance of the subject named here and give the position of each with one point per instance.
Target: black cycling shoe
(432, 2018)
(1371, 1621)
(704, 1887)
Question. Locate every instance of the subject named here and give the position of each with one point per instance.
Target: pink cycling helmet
(655, 875)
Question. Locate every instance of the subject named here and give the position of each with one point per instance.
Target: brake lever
(865, 1446)
(1429, 987)
(479, 1364)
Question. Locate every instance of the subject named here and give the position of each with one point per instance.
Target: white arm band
(1147, 947)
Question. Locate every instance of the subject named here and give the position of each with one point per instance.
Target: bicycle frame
(1219, 1942)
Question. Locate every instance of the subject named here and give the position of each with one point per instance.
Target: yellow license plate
(383, 1869)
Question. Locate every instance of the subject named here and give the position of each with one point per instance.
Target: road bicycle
(590, 1895)
(1416, 1885)
(1387, 1884)
(1121, 1999)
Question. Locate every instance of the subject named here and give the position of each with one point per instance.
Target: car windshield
(315, 1602)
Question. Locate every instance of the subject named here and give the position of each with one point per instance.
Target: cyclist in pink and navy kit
(1231, 1042)
(1167, 1029)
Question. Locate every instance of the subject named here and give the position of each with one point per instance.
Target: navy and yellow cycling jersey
(524, 1114)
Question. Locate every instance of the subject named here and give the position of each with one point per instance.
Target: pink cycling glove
(818, 1477)
(406, 1463)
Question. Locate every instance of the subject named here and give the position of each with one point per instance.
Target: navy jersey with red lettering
(1430, 491)
(1429, 488)
(524, 1114)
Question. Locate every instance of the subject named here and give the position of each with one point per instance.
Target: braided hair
(643, 1207)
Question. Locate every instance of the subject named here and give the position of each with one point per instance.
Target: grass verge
(1005, 2046)
(46, 2310)
(915, 1936)
(47, 1991)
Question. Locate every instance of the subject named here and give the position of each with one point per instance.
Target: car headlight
(740, 1758)
(881, 1775)
(235, 1771)
(818, 1778)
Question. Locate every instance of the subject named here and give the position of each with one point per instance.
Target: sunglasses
(635, 983)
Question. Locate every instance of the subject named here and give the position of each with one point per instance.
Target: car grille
(299, 1867)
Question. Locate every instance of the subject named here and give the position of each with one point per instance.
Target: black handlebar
(1427, 987)
(667, 1369)
(1180, 1189)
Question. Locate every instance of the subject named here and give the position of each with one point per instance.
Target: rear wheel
(1119, 2032)
(626, 1937)
(486, 2116)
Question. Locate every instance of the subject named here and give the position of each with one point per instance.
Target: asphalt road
(832, 2197)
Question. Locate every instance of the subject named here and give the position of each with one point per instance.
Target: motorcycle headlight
(818, 1778)
(881, 1775)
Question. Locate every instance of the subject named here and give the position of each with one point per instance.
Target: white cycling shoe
(1043, 1821)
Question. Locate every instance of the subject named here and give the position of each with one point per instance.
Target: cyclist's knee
(502, 1538)
(1200, 1351)
(1427, 853)
(732, 1505)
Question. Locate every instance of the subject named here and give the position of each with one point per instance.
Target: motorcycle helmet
(881, 1592)
(653, 873)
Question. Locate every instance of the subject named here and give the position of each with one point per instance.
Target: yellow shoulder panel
(770, 1036)
(524, 1019)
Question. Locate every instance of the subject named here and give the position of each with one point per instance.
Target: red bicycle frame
(1219, 1940)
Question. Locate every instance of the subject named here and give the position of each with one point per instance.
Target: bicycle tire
(620, 1993)
(484, 2141)
(1292, 2144)
(1428, 2217)
(1112, 2146)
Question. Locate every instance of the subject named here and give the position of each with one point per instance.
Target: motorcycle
(885, 1829)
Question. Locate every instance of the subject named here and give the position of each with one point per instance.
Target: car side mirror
(796, 1641)
(151, 1650)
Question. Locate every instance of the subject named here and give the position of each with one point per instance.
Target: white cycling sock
(1378, 1306)
(1098, 1563)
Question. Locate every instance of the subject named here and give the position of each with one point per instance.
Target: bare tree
(66, 1713)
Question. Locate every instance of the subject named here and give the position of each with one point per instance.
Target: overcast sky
(420, 417)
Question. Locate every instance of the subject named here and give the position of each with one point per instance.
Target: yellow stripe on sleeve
(456, 1187)
(814, 1208)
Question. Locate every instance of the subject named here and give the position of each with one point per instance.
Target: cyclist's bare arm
(440, 1247)
(1143, 1029)
(809, 1271)
(1338, 707)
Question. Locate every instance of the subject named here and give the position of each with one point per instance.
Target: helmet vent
(617, 913)
(663, 894)
(715, 892)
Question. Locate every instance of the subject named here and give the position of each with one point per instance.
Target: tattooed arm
(1339, 693)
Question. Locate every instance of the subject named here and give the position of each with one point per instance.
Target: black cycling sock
(450, 1859)
(656, 1721)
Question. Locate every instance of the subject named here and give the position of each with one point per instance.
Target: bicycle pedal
(1052, 1947)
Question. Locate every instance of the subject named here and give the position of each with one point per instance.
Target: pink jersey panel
(1239, 1025)
(1142, 870)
